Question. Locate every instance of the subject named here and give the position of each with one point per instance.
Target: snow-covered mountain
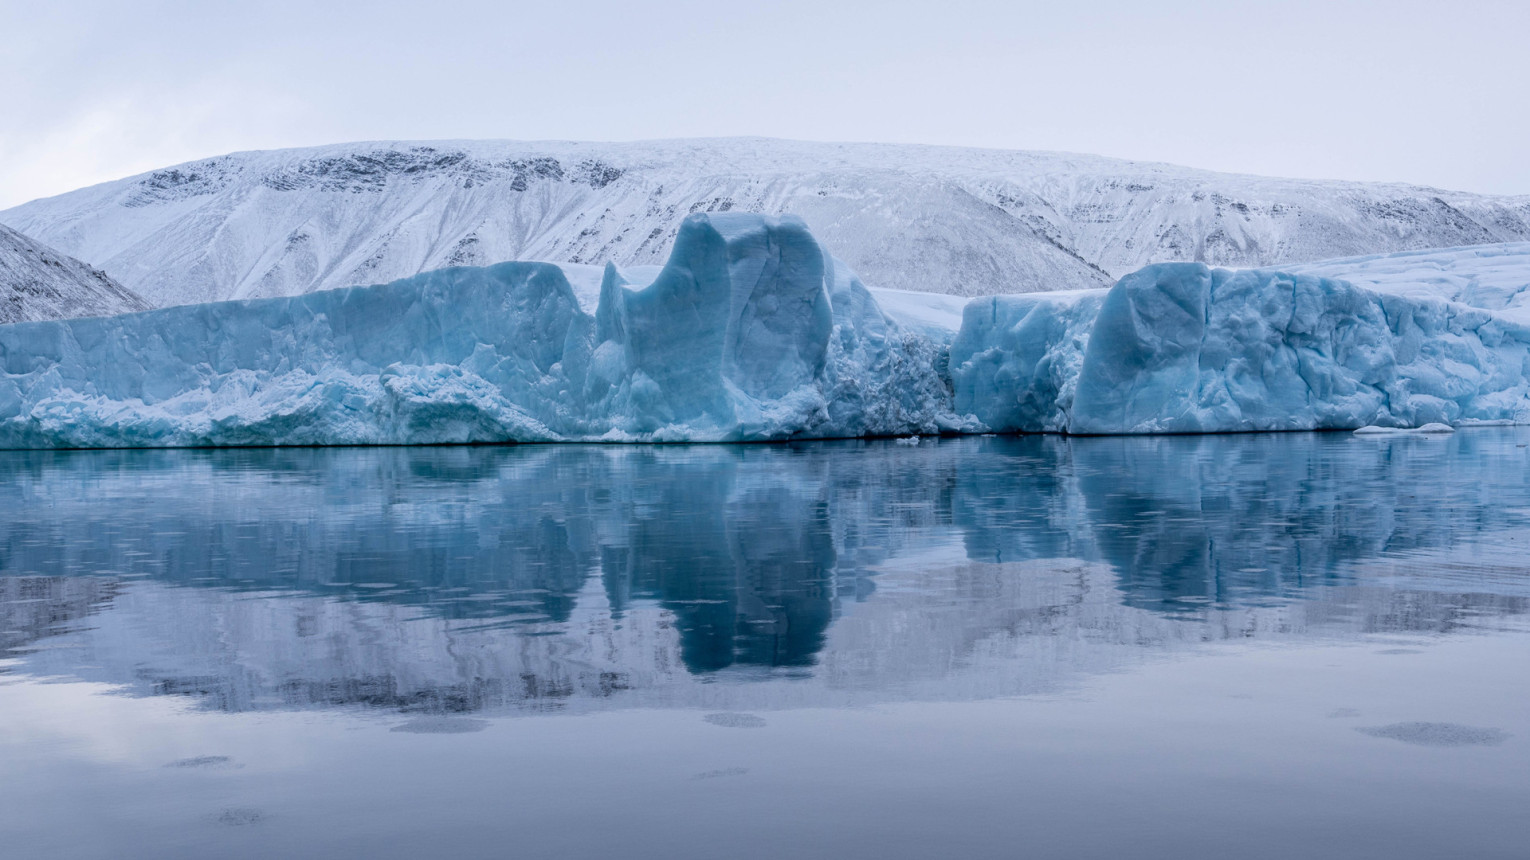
(39, 283)
(949, 220)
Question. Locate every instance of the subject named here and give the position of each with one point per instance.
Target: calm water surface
(1295, 645)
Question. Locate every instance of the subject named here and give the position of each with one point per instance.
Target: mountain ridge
(39, 283)
(961, 221)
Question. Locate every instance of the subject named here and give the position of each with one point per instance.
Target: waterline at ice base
(754, 332)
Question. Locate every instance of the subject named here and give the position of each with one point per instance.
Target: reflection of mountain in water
(35, 607)
(560, 576)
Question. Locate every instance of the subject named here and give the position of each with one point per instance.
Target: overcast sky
(1425, 92)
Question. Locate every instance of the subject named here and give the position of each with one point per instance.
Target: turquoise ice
(1183, 348)
(750, 332)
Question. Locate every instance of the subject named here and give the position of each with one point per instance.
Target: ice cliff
(751, 331)
(1183, 348)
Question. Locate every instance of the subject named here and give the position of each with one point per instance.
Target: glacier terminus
(752, 331)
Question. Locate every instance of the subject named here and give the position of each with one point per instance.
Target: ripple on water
(441, 726)
(201, 761)
(241, 817)
(736, 721)
(1437, 734)
(717, 774)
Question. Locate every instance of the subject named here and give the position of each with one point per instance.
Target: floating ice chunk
(1434, 429)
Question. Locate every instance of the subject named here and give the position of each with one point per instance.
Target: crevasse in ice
(752, 331)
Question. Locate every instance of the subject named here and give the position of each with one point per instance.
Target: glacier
(752, 331)
(1185, 348)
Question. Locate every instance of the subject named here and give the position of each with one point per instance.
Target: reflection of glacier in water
(578, 577)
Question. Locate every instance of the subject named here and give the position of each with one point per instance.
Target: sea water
(1257, 646)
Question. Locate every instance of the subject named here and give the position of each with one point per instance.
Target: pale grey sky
(1425, 92)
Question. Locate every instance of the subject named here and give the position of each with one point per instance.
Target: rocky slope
(39, 283)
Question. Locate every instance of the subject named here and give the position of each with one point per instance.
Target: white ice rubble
(751, 331)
